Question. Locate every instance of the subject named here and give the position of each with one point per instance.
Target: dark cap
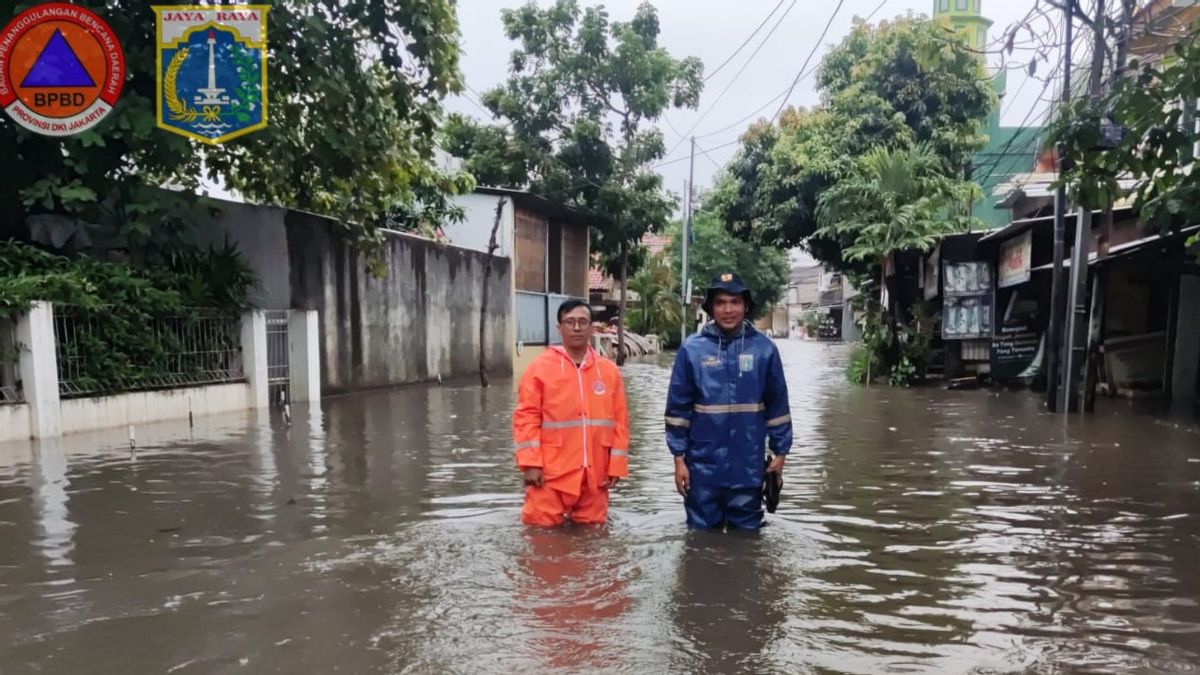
(727, 283)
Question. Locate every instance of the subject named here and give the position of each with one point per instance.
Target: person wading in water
(570, 427)
(727, 397)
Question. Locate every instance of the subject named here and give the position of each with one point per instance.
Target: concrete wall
(1187, 340)
(146, 407)
(475, 231)
(15, 423)
(259, 234)
(417, 322)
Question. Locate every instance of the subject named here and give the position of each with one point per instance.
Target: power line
(687, 157)
(816, 46)
(1023, 126)
(734, 79)
(747, 117)
(709, 158)
(474, 102)
(744, 42)
(781, 94)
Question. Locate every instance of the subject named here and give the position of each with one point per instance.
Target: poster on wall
(1016, 258)
(967, 318)
(967, 278)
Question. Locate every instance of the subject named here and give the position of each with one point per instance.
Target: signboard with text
(1014, 348)
(1016, 257)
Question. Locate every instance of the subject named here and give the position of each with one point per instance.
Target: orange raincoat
(571, 421)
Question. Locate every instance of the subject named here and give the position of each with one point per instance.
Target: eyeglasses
(577, 324)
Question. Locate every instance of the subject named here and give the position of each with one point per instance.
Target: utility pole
(686, 299)
(1058, 292)
(1077, 350)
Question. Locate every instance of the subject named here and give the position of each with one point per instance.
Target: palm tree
(893, 200)
(658, 307)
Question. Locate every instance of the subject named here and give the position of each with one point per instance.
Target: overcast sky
(712, 30)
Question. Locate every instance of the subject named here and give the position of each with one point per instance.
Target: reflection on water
(920, 531)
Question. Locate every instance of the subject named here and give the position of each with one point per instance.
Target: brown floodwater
(920, 531)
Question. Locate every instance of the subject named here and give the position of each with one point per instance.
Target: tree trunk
(483, 306)
(621, 311)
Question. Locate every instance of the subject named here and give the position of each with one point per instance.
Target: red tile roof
(654, 243)
(597, 281)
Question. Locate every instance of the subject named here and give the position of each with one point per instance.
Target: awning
(1019, 226)
(1122, 249)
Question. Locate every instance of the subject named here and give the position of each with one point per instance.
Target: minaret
(212, 95)
(966, 18)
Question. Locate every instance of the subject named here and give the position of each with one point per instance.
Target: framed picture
(965, 318)
(967, 278)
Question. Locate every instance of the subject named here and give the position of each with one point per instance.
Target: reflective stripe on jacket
(727, 397)
(570, 417)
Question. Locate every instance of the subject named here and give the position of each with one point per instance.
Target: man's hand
(776, 466)
(612, 482)
(533, 476)
(683, 477)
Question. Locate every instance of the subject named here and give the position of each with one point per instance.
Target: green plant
(898, 84)
(863, 364)
(713, 251)
(657, 311)
(354, 110)
(582, 94)
(131, 326)
(913, 341)
(812, 322)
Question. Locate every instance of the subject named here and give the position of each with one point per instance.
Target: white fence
(10, 382)
(204, 364)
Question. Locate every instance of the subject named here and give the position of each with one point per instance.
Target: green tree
(1153, 143)
(715, 251)
(581, 91)
(893, 201)
(899, 84)
(354, 103)
(658, 309)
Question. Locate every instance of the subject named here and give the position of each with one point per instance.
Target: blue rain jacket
(727, 397)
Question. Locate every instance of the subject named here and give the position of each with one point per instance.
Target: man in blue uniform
(727, 397)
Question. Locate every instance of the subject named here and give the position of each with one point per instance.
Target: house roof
(599, 281)
(1019, 226)
(654, 243)
(533, 202)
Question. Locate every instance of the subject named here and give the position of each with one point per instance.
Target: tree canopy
(900, 84)
(1138, 131)
(892, 201)
(354, 101)
(574, 112)
(715, 251)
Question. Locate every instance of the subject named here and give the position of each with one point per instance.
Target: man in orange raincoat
(570, 427)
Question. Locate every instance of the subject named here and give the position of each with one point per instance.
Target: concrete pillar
(304, 356)
(254, 356)
(39, 370)
(1187, 339)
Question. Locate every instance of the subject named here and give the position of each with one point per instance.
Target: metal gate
(278, 371)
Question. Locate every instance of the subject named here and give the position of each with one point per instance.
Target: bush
(217, 278)
(861, 357)
(137, 325)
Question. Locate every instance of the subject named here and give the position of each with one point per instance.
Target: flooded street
(920, 531)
